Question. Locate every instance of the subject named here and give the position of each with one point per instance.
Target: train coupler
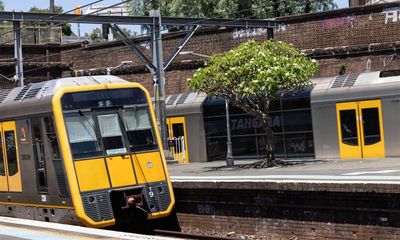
(133, 201)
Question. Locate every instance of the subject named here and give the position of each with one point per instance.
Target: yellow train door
(360, 129)
(3, 165)
(10, 155)
(177, 139)
(373, 145)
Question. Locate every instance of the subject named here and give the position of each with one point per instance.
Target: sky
(25, 5)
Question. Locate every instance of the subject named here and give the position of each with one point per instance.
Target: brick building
(361, 39)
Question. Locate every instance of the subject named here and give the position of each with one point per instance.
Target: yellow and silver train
(82, 150)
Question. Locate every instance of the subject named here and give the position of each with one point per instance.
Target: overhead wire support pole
(159, 85)
(180, 46)
(19, 71)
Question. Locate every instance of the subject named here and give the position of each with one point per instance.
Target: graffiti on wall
(248, 32)
(205, 209)
(391, 14)
(350, 20)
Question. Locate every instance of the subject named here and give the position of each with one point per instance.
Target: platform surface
(379, 170)
(18, 229)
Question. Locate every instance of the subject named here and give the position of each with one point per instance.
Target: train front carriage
(94, 148)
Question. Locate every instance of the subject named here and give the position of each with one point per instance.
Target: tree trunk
(269, 144)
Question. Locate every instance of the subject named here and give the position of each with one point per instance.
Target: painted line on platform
(370, 172)
(79, 232)
(292, 179)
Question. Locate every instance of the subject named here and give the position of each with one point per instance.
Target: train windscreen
(108, 122)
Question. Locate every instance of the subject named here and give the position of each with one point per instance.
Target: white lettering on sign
(248, 32)
(391, 14)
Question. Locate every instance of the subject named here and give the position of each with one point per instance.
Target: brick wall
(332, 38)
(315, 33)
(297, 210)
(347, 27)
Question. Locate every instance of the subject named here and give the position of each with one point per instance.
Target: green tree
(66, 28)
(229, 8)
(251, 76)
(1, 6)
(96, 35)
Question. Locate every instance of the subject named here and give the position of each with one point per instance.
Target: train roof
(184, 103)
(360, 86)
(19, 101)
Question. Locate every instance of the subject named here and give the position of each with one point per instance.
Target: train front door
(360, 129)
(177, 139)
(10, 176)
(119, 164)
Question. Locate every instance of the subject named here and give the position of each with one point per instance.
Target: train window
(348, 127)
(178, 131)
(82, 135)
(11, 152)
(2, 169)
(111, 133)
(297, 120)
(371, 129)
(299, 144)
(38, 148)
(101, 98)
(139, 129)
(52, 138)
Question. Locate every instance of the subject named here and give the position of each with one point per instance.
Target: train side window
(11, 152)
(40, 159)
(82, 135)
(177, 131)
(52, 138)
(139, 129)
(111, 133)
(371, 127)
(2, 169)
(348, 127)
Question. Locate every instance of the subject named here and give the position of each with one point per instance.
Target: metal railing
(177, 148)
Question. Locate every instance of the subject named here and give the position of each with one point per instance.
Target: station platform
(378, 170)
(21, 229)
(301, 199)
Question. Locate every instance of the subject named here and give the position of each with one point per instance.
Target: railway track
(167, 233)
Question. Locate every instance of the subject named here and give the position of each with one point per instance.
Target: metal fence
(177, 148)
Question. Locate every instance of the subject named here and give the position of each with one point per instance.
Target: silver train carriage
(346, 116)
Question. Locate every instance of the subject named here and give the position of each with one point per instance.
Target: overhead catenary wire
(147, 34)
(44, 20)
(193, 22)
(73, 19)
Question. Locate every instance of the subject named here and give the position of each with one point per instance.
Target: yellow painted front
(148, 167)
(14, 181)
(75, 172)
(376, 150)
(91, 174)
(348, 151)
(177, 120)
(3, 178)
(121, 171)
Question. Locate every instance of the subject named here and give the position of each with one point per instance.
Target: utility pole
(51, 8)
(229, 155)
(19, 72)
(159, 78)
